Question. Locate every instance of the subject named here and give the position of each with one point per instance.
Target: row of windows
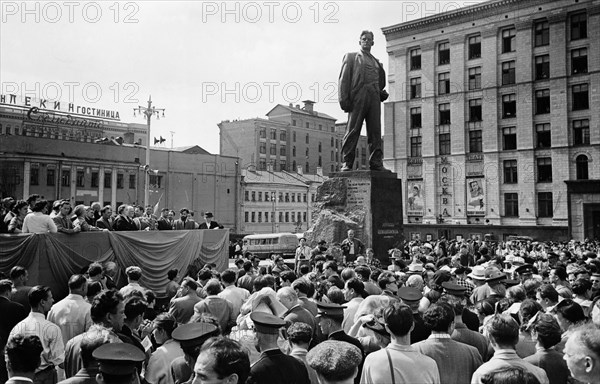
(269, 217)
(543, 138)
(541, 37)
(334, 142)
(288, 197)
(544, 169)
(307, 125)
(80, 179)
(545, 205)
(579, 102)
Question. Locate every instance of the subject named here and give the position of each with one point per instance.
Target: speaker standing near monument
(361, 91)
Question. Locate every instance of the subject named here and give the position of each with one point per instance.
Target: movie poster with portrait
(415, 199)
(475, 197)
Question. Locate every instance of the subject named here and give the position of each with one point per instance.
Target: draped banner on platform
(52, 258)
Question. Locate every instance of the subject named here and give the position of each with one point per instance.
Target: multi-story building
(87, 158)
(493, 120)
(289, 139)
(279, 201)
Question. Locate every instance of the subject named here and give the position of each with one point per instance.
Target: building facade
(290, 139)
(77, 157)
(277, 201)
(494, 118)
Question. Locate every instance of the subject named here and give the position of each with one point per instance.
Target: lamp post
(273, 194)
(148, 111)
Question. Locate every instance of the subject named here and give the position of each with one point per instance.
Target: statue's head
(367, 40)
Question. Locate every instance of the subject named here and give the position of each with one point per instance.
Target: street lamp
(273, 194)
(148, 112)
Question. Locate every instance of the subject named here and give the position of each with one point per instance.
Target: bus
(280, 244)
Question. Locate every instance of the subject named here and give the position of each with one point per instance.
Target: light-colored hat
(478, 273)
(415, 268)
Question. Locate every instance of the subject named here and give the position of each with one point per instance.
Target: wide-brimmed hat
(493, 274)
(478, 273)
(415, 268)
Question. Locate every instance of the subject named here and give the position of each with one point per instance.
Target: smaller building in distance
(277, 201)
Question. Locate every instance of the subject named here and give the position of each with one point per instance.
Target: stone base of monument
(369, 202)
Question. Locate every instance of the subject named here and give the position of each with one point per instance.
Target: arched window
(582, 167)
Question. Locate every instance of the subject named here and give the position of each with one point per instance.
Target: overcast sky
(203, 62)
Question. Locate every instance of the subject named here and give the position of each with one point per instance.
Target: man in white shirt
(134, 274)
(41, 300)
(38, 221)
(237, 296)
(353, 294)
(72, 314)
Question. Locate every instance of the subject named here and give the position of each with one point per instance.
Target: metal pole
(148, 114)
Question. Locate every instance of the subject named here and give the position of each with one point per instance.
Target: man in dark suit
(24, 356)
(352, 247)
(184, 222)
(105, 221)
(87, 374)
(295, 312)
(330, 319)
(182, 305)
(124, 222)
(12, 314)
(163, 223)
(273, 366)
(361, 91)
(209, 223)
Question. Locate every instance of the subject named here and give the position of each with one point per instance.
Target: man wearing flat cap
(335, 362)
(273, 366)
(209, 223)
(118, 363)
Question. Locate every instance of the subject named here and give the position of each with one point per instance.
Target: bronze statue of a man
(361, 91)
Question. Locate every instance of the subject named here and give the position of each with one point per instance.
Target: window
(260, 196)
(294, 166)
(579, 61)
(263, 133)
(474, 47)
(544, 169)
(545, 206)
(263, 148)
(415, 143)
(509, 138)
(508, 40)
(474, 78)
(542, 101)
(320, 163)
(542, 67)
(320, 147)
(282, 150)
(475, 144)
(444, 143)
(34, 175)
(509, 106)
(304, 217)
(307, 138)
(475, 110)
(508, 72)
(262, 165)
(246, 195)
(511, 204)
(415, 117)
(65, 179)
(307, 168)
(281, 217)
(282, 136)
(443, 83)
(294, 134)
(580, 97)
(320, 127)
(280, 197)
(415, 59)
(253, 215)
(131, 181)
(578, 26)
(544, 137)
(332, 142)
(155, 180)
(246, 214)
(80, 179)
(581, 132)
(266, 217)
(294, 150)
(444, 53)
(293, 197)
(119, 180)
(304, 197)
(444, 113)
(294, 123)
(273, 150)
(51, 177)
(259, 217)
(273, 134)
(415, 88)
(287, 217)
(95, 182)
(542, 33)
(581, 167)
(307, 151)
(253, 194)
(510, 171)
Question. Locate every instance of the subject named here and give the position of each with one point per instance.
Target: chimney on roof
(297, 106)
(300, 170)
(308, 106)
(320, 171)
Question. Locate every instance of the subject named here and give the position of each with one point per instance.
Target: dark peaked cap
(194, 334)
(330, 309)
(118, 358)
(266, 323)
(454, 289)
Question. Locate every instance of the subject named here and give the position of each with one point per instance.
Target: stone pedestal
(370, 202)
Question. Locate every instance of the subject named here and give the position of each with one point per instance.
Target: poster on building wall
(475, 197)
(414, 198)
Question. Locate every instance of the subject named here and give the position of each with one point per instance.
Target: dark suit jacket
(104, 224)
(351, 79)
(213, 224)
(12, 314)
(343, 336)
(359, 247)
(274, 367)
(123, 224)
(164, 224)
(298, 314)
(188, 224)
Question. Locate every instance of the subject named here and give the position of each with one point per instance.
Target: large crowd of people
(37, 215)
(445, 311)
